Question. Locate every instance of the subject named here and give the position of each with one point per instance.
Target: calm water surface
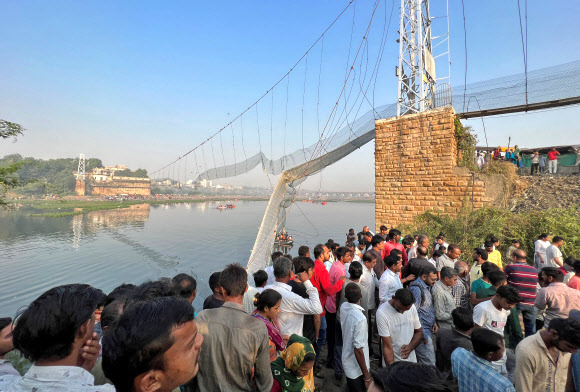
(107, 248)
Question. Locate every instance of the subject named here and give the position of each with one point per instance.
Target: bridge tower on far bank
(80, 175)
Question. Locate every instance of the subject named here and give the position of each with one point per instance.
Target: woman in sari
(267, 308)
(292, 371)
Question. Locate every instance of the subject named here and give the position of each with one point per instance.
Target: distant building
(102, 181)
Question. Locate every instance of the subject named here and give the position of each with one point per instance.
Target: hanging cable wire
(524, 44)
(465, 47)
(303, 98)
(318, 147)
(271, 88)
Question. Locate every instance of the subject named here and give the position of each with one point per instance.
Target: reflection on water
(135, 215)
(107, 248)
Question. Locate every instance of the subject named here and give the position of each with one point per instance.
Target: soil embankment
(544, 192)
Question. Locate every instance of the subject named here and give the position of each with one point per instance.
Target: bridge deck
(520, 108)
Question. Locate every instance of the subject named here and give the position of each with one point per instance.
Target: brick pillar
(80, 187)
(415, 168)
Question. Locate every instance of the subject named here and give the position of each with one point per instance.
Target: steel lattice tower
(416, 70)
(81, 168)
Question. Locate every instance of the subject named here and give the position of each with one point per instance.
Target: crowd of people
(384, 312)
(540, 164)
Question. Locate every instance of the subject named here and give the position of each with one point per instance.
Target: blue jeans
(321, 336)
(529, 313)
(425, 352)
(575, 363)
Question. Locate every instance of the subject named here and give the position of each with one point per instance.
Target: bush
(471, 228)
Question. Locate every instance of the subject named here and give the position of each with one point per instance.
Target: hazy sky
(142, 82)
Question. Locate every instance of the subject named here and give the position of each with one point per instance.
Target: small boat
(230, 206)
(323, 203)
(284, 239)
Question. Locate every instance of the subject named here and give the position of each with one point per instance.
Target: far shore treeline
(53, 176)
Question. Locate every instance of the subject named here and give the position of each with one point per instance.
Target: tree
(10, 129)
(8, 177)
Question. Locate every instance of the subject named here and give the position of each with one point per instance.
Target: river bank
(75, 205)
(56, 208)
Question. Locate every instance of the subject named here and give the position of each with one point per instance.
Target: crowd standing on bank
(391, 313)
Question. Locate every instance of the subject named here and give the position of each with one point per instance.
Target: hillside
(541, 193)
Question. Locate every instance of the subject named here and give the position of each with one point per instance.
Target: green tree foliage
(10, 129)
(54, 176)
(471, 228)
(466, 142)
(140, 173)
(8, 176)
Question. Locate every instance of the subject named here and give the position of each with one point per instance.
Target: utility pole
(416, 69)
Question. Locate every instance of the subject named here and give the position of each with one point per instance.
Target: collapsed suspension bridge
(345, 123)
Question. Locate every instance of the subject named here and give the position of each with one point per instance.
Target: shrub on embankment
(469, 229)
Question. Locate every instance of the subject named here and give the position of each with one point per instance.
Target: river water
(132, 245)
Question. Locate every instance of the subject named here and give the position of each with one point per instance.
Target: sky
(141, 82)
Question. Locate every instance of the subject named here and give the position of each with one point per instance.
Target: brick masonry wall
(122, 186)
(416, 168)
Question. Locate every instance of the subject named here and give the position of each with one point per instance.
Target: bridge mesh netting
(548, 84)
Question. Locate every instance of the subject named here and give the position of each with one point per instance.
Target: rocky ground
(546, 191)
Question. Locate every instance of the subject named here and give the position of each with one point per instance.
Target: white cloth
(271, 277)
(388, 285)
(540, 247)
(399, 327)
(249, 299)
(6, 368)
(486, 315)
(412, 253)
(553, 166)
(433, 261)
(53, 379)
(369, 281)
(437, 245)
(294, 307)
(328, 264)
(354, 335)
(552, 252)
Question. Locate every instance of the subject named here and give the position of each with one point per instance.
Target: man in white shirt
(61, 361)
(554, 254)
(355, 350)
(293, 307)
(369, 282)
(270, 268)
(390, 281)
(422, 240)
(493, 314)
(399, 328)
(540, 247)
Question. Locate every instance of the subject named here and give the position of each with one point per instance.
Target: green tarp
(563, 159)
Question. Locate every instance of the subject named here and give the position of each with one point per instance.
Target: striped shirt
(524, 278)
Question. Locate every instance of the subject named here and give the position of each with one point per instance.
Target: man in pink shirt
(393, 243)
(337, 276)
(553, 160)
(554, 296)
(574, 281)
